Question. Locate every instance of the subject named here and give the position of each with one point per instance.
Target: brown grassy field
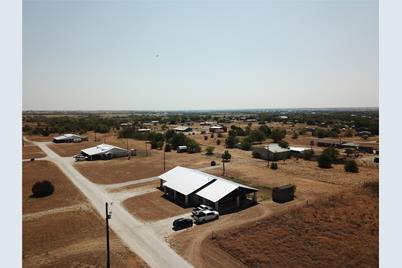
(139, 167)
(138, 186)
(72, 239)
(339, 232)
(65, 193)
(29, 150)
(152, 207)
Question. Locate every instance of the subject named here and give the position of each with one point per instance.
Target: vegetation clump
(42, 189)
(351, 166)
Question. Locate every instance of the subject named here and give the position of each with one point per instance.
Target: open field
(152, 207)
(72, 239)
(341, 231)
(29, 151)
(65, 193)
(139, 167)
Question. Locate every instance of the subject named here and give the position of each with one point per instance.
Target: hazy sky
(161, 55)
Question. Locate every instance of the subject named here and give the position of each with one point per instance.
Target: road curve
(140, 238)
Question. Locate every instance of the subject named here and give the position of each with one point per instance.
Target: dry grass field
(139, 167)
(152, 207)
(339, 232)
(65, 193)
(62, 230)
(29, 151)
(72, 239)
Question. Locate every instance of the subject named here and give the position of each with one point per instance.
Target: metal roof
(220, 188)
(299, 149)
(68, 136)
(275, 148)
(187, 181)
(181, 128)
(100, 149)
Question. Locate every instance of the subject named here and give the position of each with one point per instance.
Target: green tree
(193, 146)
(226, 156)
(278, 134)
(265, 129)
(256, 135)
(324, 161)
(231, 141)
(332, 153)
(283, 144)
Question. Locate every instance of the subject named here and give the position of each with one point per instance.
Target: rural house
(191, 186)
(272, 152)
(183, 129)
(69, 138)
(104, 152)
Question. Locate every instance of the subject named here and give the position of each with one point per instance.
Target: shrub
(295, 135)
(256, 135)
(308, 154)
(212, 136)
(193, 146)
(332, 153)
(219, 135)
(226, 156)
(218, 142)
(324, 161)
(205, 138)
(351, 166)
(231, 141)
(278, 134)
(42, 189)
(274, 165)
(168, 147)
(283, 144)
(210, 150)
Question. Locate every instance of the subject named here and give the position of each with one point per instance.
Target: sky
(165, 55)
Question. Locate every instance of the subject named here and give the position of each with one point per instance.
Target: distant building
(127, 124)
(206, 123)
(329, 143)
(66, 138)
(272, 152)
(104, 152)
(218, 129)
(298, 151)
(143, 130)
(183, 129)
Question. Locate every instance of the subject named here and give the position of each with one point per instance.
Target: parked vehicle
(79, 157)
(182, 223)
(200, 208)
(206, 215)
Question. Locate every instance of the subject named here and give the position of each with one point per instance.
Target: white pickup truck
(206, 215)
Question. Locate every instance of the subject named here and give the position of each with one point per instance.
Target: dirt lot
(139, 167)
(339, 232)
(152, 207)
(72, 239)
(138, 186)
(29, 151)
(65, 193)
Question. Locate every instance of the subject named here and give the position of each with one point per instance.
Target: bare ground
(72, 239)
(31, 151)
(152, 207)
(339, 232)
(65, 193)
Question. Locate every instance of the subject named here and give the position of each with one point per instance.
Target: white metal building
(187, 186)
(104, 151)
(68, 138)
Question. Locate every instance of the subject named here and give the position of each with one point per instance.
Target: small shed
(271, 152)
(181, 149)
(283, 194)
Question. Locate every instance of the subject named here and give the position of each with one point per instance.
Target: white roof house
(298, 149)
(188, 181)
(67, 137)
(275, 148)
(103, 149)
(182, 128)
(185, 180)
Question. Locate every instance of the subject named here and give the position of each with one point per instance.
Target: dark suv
(182, 223)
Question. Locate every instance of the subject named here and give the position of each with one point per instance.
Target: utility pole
(164, 157)
(108, 216)
(223, 166)
(146, 149)
(95, 135)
